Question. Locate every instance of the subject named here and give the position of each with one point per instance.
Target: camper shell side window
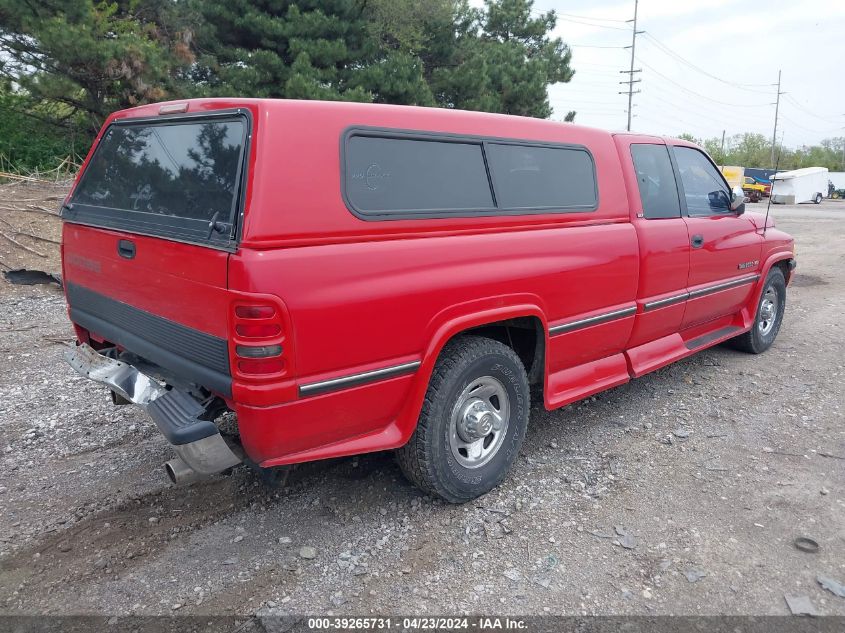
(396, 174)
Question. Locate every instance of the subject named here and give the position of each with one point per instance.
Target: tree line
(65, 65)
(755, 150)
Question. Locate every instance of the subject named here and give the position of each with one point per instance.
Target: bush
(30, 142)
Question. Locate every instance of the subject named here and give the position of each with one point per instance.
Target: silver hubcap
(479, 422)
(768, 311)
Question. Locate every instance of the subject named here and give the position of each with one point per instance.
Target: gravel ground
(679, 493)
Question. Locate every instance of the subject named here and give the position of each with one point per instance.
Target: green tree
(438, 52)
(71, 63)
(750, 150)
(755, 150)
(502, 60)
(94, 56)
(304, 49)
(27, 144)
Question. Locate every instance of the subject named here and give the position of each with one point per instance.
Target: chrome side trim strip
(594, 320)
(723, 286)
(668, 301)
(651, 305)
(353, 380)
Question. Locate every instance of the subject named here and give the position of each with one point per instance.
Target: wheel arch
(781, 260)
(484, 319)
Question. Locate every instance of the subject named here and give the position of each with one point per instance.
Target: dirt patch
(30, 227)
(807, 281)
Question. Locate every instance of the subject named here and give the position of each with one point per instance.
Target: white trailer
(800, 185)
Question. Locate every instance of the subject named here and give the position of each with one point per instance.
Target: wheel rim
(768, 311)
(479, 422)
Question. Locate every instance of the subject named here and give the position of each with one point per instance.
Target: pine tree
(276, 48)
(94, 57)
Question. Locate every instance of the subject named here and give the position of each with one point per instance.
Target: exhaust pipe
(180, 473)
(201, 459)
(171, 410)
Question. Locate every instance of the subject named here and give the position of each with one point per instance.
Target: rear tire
(818, 199)
(769, 316)
(472, 423)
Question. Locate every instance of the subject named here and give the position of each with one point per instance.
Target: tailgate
(146, 240)
(168, 303)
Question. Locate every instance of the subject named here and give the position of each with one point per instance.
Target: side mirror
(738, 200)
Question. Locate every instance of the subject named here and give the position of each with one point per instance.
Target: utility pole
(777, 108)
(631, 81)
(843, 149)
(722, 151)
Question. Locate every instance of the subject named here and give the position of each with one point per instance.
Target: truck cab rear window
(171, 179)
(389, 175)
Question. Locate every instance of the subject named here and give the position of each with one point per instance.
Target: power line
(699, 95)
(590, 17)
(609, 84)
(807, 129)
(687, 110)
(577, 101)
(592, 46)
(592, 65)
(683, 60)
(829, 119)
(593, 24)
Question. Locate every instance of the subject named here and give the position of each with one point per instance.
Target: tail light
(259, 344)
(254, 312)
(258, 330)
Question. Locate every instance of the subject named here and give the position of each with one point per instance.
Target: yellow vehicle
(734, 175)
(753, 189)
(736, 178)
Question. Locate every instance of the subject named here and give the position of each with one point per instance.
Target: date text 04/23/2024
(416, 624)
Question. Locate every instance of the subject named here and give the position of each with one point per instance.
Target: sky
(707, 66)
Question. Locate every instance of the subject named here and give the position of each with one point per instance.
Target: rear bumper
(189, 353)
(176, 413)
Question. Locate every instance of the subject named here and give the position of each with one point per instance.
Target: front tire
(768, 318)
(472, 423)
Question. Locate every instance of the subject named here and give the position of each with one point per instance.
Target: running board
(705, 340)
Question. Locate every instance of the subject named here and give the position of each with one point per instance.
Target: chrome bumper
(206, 456)
(121, 378)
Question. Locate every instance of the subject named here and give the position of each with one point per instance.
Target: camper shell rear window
(177, 177)
(397, 174)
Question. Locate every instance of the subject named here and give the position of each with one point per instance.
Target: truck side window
(400, 176)
(704, 188)
(536, 177)
(656, 180)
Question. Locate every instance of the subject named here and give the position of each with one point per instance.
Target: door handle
(697, 241)
(126, 249)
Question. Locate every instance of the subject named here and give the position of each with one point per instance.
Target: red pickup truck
(353, 277)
